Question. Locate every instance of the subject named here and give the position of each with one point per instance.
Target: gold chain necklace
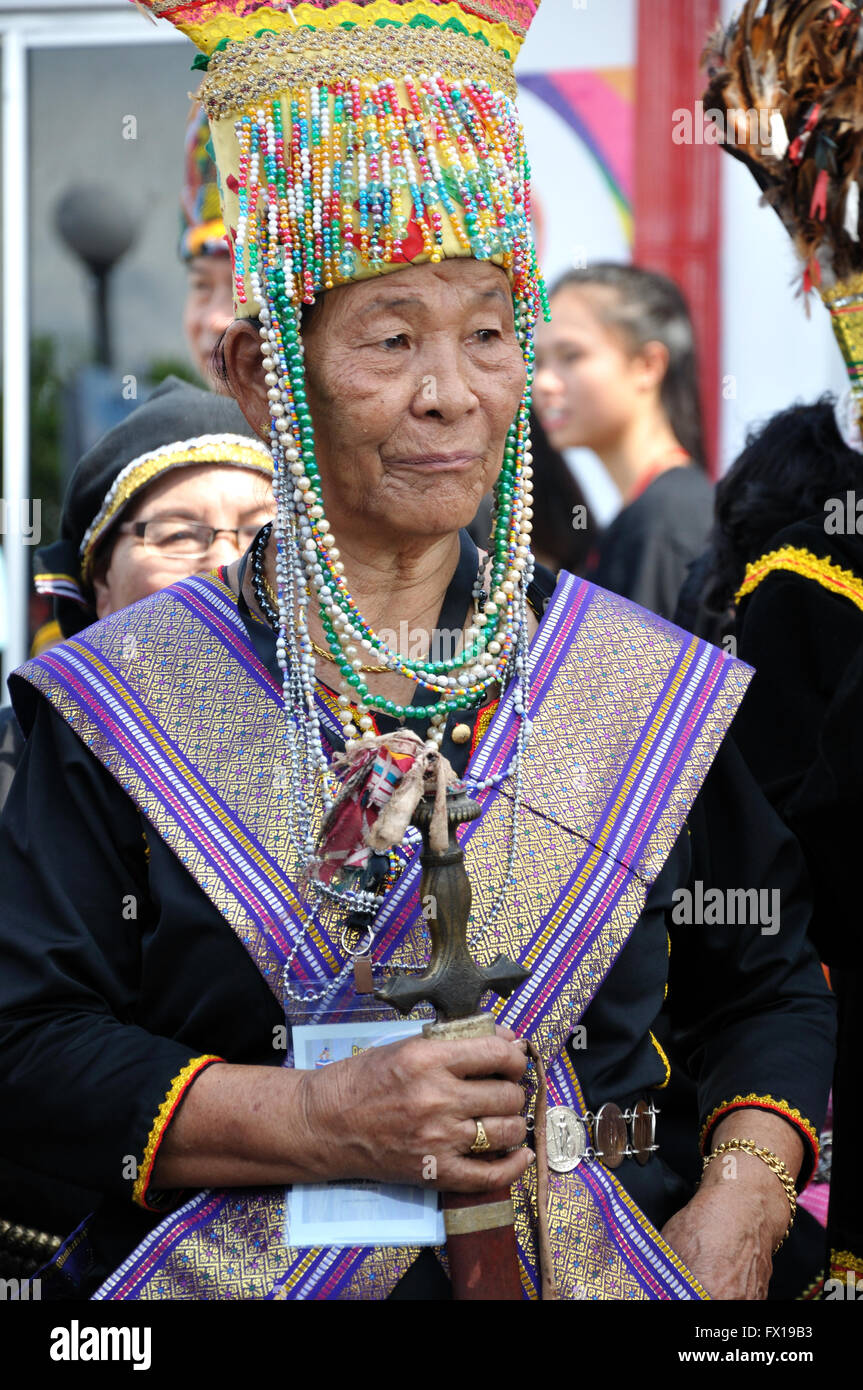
(327, 656)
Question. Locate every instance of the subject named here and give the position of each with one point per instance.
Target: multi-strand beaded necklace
(311, 211)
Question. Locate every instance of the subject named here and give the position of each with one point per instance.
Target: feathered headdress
(787, 78)
(786, 90)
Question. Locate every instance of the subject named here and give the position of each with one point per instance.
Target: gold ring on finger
(481, 1143)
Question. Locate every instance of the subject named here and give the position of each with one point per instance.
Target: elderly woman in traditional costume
(231, 842)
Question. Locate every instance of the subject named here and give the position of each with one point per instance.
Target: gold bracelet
(775, 1165)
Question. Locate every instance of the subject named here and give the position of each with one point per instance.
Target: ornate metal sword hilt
(453, 983)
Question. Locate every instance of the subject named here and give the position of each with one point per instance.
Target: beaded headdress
(202, 229)
(375, 134)
(354, 139)
(786, 79)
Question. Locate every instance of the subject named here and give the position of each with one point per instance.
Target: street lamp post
(96, 225)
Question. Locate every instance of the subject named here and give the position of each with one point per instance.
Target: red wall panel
(677, 186)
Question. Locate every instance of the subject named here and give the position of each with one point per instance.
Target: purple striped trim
(339, 1276)
(655, 807)
(677, 739)
(148, 1258)
(206, 598)
(326, 1274)
(199, 595)
(567, 609)
(686, 659)
(61, 587)
(701, 677)
(640, 1270)
(563, 1083)
(526, 1017)
(264, 910)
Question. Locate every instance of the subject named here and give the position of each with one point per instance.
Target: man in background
(208, 307)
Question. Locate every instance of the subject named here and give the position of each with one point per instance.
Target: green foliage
(47, 388)
(46, 415)
(161, 367)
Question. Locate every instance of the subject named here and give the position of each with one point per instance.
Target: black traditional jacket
(800, 622)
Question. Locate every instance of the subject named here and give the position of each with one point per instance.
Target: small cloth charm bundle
(381, 785)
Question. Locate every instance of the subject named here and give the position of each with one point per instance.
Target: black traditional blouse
(645, 552)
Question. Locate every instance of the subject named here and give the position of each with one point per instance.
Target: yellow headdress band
(355, 139)
(227, 450)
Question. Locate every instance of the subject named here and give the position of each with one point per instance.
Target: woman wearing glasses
(178, 488)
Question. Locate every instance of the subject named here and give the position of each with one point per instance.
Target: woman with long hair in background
(617, 373)
(564, 527)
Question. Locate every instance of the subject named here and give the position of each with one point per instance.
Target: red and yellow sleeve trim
(176, 1091)
(814, 1291)
(821, 570)
(779, 1107)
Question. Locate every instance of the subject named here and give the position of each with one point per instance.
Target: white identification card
(349, 1214)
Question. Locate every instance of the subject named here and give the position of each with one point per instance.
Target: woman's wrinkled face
(587, 385)
(212, 495)
(413, 381)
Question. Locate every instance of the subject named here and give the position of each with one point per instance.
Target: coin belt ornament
(611, 1137)
(566, 1139)
(643, 1131)
(568, 1135)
